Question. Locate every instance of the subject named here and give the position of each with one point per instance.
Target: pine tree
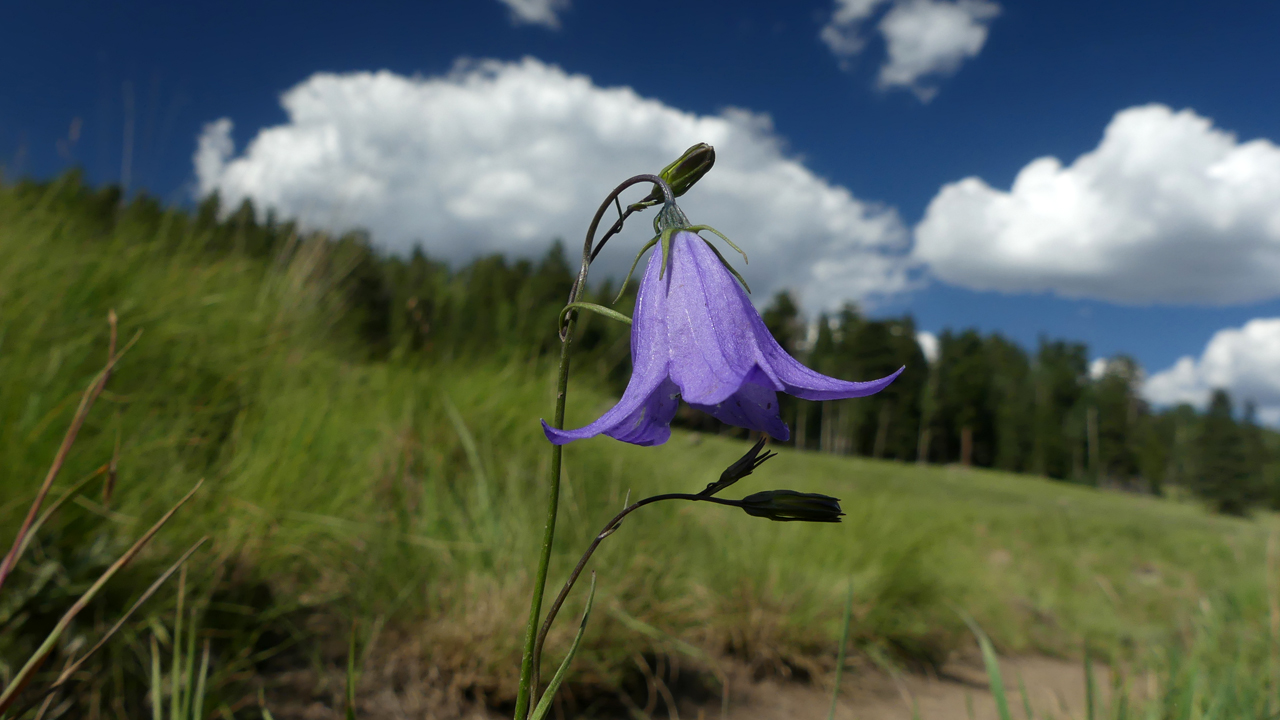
(1223, 477)
(1120, 411)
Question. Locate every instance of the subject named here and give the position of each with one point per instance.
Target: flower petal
(797, 380)
(643, 415)
(640, 418)
(754, 406)
(712, 347)
(807, 384)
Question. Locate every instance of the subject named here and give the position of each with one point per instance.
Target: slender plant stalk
(28, 671)
(527, 669)
(549, 530)
(91, 394)
(180, 562)
(175, 665)
(844, 638)
(608, 530)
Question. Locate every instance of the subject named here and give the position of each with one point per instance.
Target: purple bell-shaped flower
(695, 335)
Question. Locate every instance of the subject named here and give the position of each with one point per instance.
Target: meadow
(396, 497)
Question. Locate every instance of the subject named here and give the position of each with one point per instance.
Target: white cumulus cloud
(1167, 209)
(1244, 361)
(924, 39)
(927, 39)
(504, 157)
(537, 12)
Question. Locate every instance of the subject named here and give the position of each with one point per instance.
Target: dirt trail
(1055, 688)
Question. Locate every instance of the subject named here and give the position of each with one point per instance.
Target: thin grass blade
(351, 675)
(544, 705)
(1090, 691)
(156, 679)
(844, 638)
(197, 708)
(175, 665)
(992, 662)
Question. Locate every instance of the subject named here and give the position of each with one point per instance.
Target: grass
(407, 493)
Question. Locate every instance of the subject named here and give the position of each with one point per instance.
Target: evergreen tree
(1223, 477)
(965, 418)
(1013, 404)
(1120, 411)
(1059, 377)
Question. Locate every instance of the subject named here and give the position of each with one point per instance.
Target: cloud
(537, 12)
(504, 157)
(843, 33)
(1244, 361)
(1167, 209)
(928, 343)
(924, 39)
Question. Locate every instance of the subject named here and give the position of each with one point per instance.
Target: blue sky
(847, 126)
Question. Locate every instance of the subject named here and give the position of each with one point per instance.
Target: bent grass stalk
(91, 394)
(37, 659)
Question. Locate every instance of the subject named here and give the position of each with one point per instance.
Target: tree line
(984, 401)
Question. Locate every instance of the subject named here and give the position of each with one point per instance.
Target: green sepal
(544, 704)
(652, 241)
(700, 228)
(729, 267)
(666, 251)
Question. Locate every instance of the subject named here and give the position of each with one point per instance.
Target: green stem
(549, 530)
(557, 452)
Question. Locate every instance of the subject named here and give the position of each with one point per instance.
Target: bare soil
(1055, 688)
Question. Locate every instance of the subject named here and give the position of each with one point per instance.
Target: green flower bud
(789, 505)
(684, 172)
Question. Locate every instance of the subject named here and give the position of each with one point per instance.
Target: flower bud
(685, 171)
(741, 467)
(789, 505)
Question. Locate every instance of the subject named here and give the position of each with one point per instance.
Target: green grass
(408, 494)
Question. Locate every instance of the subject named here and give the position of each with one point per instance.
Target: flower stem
(528, 662)
(549, 530)
(608, 530)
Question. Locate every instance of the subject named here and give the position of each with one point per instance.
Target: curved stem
(608, 530)
(589, 252)
(528, 661)
(617, 228)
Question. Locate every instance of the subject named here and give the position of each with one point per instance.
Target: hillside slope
(405, 491)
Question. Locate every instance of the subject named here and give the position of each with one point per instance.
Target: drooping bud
(741, 467)
(684, 172)
(789, 505)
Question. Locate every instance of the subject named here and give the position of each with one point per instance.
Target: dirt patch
(1054, 688)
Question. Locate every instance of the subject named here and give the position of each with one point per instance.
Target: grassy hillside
(405, 490)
